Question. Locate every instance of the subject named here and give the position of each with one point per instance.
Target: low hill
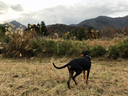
(60, 28)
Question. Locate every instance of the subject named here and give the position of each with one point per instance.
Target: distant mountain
(102, 22)
(17, 24)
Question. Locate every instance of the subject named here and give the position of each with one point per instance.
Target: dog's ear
(82, 54)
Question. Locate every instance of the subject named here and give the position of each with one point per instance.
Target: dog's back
(84, 62)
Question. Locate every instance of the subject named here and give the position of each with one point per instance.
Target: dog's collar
(88, 56)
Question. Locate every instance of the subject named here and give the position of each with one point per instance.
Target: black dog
(78, 65)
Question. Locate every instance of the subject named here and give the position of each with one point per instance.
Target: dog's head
(85, 53)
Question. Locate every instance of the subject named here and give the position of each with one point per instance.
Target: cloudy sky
(60, 11)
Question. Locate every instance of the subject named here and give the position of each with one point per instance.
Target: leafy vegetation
(98, 51)
(123, 49)
(29, 43)
(119, 50)
(114, 52)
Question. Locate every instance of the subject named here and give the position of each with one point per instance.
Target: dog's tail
(59, 67)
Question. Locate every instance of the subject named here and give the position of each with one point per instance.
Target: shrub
(50, 47)
(34, 45)
(98, 51)
(64, 47)
(123, 49)
(113, 52)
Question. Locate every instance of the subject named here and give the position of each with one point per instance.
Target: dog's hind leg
(71, 72)
(84, 73)
(77, 73)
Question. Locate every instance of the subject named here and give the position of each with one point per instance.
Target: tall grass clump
(17, 42)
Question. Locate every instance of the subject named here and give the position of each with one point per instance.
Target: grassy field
(23, 77)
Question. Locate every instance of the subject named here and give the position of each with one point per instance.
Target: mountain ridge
(101, 22)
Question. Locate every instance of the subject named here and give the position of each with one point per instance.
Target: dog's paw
(68, 85)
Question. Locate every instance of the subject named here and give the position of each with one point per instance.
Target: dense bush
(123, 49)
(98, 51)
(35, 46)
(51, 47)
(64, 47)
(113, 52)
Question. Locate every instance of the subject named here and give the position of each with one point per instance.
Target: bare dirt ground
(23, 77)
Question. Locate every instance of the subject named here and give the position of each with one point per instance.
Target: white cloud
(17, 7)
(3, 6)
(64, 11)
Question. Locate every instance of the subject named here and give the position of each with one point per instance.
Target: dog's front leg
(88, 71)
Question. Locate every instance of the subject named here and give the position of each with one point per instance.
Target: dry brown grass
(40, 78)
(105, 42)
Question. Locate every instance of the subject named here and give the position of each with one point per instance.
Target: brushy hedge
(49, 47)
(119, 50)
(29, 46)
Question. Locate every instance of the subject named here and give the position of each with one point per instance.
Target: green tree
(81, 34)
(38, 28)
(44, 30)
(73, 32)
(28, 27)
(90, 28)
